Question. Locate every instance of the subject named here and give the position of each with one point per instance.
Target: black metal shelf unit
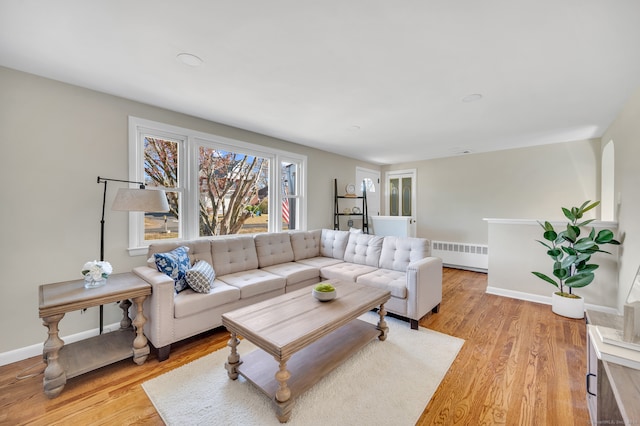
(364, 213)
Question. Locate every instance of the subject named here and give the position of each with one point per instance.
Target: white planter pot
(567, 306)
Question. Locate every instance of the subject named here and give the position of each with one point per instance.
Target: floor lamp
(130, 200)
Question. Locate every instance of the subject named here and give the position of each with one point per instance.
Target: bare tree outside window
(161, 170)
(231, 185)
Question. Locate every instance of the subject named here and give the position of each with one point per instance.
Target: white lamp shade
(140, 200)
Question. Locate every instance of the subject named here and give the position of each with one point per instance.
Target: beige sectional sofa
(249, 269)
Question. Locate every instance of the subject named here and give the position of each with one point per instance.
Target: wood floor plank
(520, 365)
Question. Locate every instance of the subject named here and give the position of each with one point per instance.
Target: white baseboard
(466, 268)
(35, 350)
(544, 299)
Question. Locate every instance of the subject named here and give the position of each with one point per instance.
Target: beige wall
(455, 194)
(56, 139)
(625, 134)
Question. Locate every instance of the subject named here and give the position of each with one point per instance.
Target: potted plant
(571, 255)
(96, 273)
(324, 292)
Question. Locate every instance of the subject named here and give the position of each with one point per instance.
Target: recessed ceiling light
(472, 98)
(189, 59)
(460, 150)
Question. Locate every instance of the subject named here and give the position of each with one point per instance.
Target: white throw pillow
(200, 277)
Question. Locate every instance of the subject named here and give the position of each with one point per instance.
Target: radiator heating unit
(474, 257)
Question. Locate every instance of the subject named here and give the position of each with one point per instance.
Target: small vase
(91, 283)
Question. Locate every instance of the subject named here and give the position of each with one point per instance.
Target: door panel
(394, 197)
(406, 196)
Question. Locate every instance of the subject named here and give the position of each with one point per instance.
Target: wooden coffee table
(301, 339)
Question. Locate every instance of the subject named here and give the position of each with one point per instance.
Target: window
(289, 183)
(214, 185)
(161, 165)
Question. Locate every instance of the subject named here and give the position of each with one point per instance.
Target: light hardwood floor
(520, 365)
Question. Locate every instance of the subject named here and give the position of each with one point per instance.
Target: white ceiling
(382, 81)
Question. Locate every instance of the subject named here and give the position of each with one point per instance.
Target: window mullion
(189, 185)
(275, 198)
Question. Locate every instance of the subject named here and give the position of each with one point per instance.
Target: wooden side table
(67, 361)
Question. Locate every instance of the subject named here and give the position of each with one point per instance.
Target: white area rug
(385, 383)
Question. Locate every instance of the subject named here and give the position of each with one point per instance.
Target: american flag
(285, 209)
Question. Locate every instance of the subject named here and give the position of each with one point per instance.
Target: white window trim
(301, 187)
(189, 141)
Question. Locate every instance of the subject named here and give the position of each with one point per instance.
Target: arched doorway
(607, 187)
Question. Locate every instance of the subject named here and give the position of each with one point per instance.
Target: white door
(400, 196)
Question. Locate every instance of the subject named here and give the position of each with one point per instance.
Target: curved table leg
(283, 404)
(233, 361)
(54, 375)
(140, 343)
(382, 324)
(126, 321)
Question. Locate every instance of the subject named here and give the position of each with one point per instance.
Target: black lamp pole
(104, 202)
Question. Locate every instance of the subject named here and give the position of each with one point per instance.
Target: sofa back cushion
(398, 252)
(363, 249)
(273, 248)
(305, 244)
(233, 254)
(333, 243)
(198, 250)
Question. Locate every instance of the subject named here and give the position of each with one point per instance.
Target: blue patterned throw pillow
(200, 277)
(175, 264)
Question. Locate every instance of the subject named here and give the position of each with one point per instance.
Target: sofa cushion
(363, 249)
(233, 254)
(273, 248)
(305, 244)
(333, 243)
(398, 252)
(200, 277)
(189, 302)
(320, 261)
(174, 264)
(198, 250)
(294, 272)
(386, 279)
(345, 271)
(254, 282)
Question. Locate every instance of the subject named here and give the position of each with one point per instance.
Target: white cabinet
(592, 379)
(613, 377)
(397, 226)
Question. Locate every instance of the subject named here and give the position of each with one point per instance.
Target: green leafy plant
(324, 287)
(570, 253)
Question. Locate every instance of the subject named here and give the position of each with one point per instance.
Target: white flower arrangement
(97, 270)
